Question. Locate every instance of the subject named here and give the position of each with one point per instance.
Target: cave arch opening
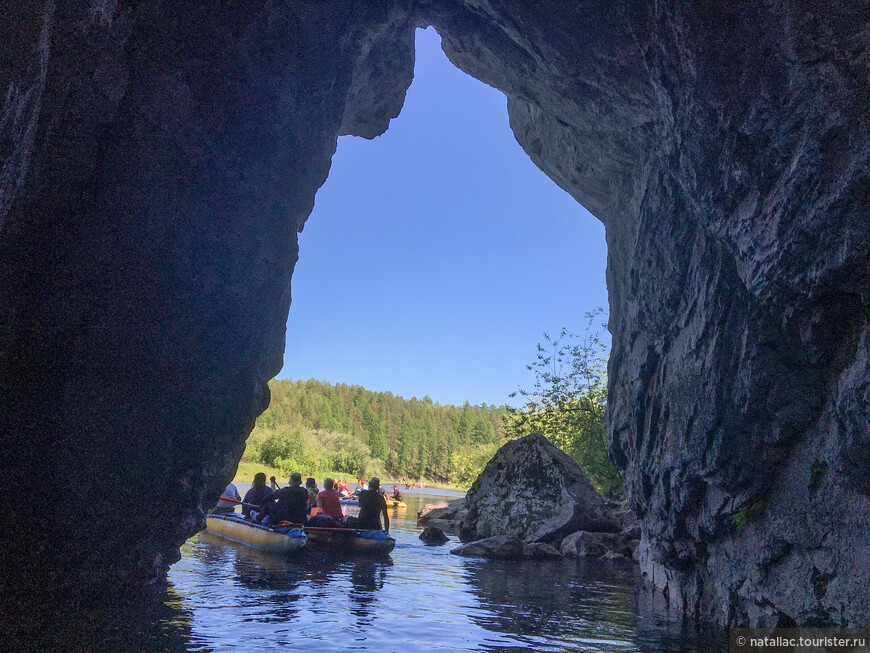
(438, 253)
(163, 156)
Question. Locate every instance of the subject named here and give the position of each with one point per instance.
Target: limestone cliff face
(726, 152)
(158, 160)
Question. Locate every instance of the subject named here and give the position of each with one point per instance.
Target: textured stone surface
(432, 511)
(500, 547)
(158, 163)
(433, 535)
(535, 492)
(726, 150)
(158, 159)
(505, 547)
(446, 515)
(540, 550)
(593, 545)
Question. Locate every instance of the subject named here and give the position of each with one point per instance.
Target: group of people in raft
(309, 506)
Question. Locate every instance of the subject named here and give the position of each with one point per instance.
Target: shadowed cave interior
(159, 161)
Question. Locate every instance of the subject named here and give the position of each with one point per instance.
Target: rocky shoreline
(532, 501)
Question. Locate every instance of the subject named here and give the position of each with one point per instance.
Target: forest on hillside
(312, 426)
(315, 427)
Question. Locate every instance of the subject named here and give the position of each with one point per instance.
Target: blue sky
(437, 254)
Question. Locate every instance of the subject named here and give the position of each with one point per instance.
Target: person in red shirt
(328, 500)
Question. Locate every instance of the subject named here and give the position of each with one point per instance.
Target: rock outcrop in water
(534, 492)
(158, 160)
(530, 498)
(594, 545)
(443, 514)
(433, 535)
(505, 547)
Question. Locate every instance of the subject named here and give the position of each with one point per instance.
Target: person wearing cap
(286, 504)
(371, 506)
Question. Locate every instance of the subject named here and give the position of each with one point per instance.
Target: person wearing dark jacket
(371, 506)
(286, 504)
(259, 491)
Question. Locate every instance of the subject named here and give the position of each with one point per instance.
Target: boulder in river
(534, 492)
(505, 547)
(501, 547)
(433, 535)
(446, 515)
(424, 514)
(584, 544)
(540, 550)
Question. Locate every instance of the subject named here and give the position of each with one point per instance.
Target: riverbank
(246, 470)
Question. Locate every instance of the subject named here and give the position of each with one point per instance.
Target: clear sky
(437, 254)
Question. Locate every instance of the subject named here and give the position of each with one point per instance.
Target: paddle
(236, 502)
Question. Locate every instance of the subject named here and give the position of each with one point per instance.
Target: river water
(225, 596)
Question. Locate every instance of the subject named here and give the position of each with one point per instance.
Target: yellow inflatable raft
(354, 540)
(238, 529)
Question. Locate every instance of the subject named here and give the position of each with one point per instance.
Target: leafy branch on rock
(569, 399)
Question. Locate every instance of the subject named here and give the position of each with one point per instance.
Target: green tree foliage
(466, 467)
(314, 427)
(568, 402)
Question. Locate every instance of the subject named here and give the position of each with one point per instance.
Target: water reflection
(367, 577)
(316, 595)
(566, 600)
(579, 605)
(151, 621)
(262, 587)
(225, 596)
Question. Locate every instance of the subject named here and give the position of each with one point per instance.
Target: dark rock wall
(726, 150)
(145, 258)
(159, 158)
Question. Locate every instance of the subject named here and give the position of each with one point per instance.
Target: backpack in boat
(324, 521)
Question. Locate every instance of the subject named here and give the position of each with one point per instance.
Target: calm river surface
(225, 596)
